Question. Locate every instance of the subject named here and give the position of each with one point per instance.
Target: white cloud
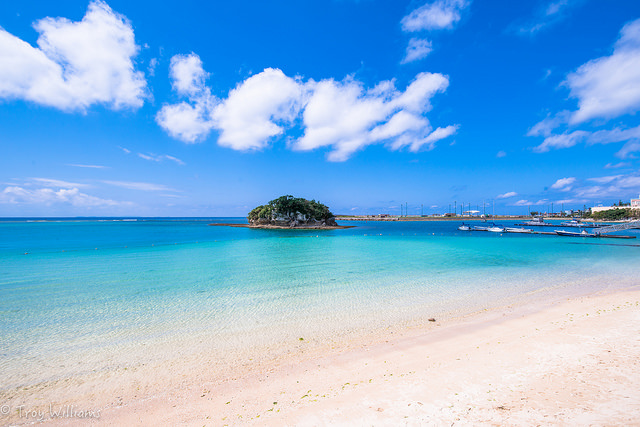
(151, 69)
(501, 154)
(570, 139)
(254, 110)
(438, 15)
(548, 124)
(76, 64)
(528, 203)
(564, 140)
(141, 186)
(551, 13)
(174, 159)
(188, 76)
(417, 49)
(48, 196)
(617, 165)
(186, 122)
(87, 166)
(342, 115)
(345, 116)
(563, 184)
(190, 121)
(609, 87)
(159, 158)
(55, 183)
(435, 136)
(507, 195)
(605, 179)
(629, 148)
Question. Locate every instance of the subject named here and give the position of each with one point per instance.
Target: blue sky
(193, 108)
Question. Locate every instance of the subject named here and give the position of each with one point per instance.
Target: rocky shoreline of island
(284, 227)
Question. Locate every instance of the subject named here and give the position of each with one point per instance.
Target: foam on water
(163, 290)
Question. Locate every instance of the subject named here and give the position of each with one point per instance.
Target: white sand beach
(571, 362)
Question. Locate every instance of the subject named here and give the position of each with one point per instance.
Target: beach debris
(432, 319)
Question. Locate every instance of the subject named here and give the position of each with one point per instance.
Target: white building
(602, 208)
(635, 204)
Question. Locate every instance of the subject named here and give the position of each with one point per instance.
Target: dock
(553, 233)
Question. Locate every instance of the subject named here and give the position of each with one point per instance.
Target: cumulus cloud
(609, 87)
(189, 121)
(345, 116)
(417, 49)
(254, 110)
(507, 195)
(438, 15)
(76, 64)
(342, 115)
(563, 184)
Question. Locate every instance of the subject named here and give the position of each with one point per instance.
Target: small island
(288, 212)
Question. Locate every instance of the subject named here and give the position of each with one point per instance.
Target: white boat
(583, 233)
(496, 229)
(518, 230)
(572, 223)
(464, 227)
(480, 228)
(538, 220)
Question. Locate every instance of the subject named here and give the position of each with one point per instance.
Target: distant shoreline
(280, 227)
(436, 218)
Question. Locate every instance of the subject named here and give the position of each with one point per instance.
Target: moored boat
(583, 233)
(536, 221)
(518, 230)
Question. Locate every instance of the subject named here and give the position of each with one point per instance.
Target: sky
(210, 108)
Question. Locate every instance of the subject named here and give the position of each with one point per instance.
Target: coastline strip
(563, 363)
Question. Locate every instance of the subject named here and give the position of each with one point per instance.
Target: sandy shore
(570, 362)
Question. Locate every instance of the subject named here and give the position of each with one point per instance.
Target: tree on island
(292, 211)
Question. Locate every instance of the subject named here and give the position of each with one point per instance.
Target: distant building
(603, 208)
(635, 204)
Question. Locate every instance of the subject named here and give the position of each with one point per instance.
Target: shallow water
(90, 296)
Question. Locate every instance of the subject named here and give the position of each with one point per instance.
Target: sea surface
(79, 296)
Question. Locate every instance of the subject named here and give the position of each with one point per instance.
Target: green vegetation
(616, 214)
(289, 208)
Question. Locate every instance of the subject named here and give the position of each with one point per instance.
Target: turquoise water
(92, 296)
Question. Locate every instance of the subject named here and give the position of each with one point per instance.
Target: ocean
(93, 296)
